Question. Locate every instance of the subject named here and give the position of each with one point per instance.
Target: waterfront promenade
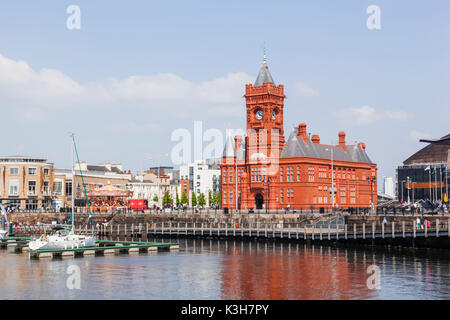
(316, 229)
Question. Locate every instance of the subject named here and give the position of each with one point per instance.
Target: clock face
(259, 114)
(274, 114)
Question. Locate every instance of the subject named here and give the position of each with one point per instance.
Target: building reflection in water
(219, 269)
(292, 271)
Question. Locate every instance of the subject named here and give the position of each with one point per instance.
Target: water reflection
(212, 269)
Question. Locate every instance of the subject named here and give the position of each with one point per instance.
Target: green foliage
(194, 199)
(217, 198)
(167, 199)
(201, 199)
(184, 198)
(178, 200)
(155, 198)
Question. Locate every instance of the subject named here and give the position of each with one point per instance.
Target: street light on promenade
(332, 180)
(402, 190)
(371, 181)
(408, 181)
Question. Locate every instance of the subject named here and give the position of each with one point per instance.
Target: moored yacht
(63, 237)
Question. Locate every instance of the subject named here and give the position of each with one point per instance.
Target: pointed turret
(264, 74)
(228, 151)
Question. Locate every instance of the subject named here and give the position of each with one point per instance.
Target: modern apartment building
(26, 182)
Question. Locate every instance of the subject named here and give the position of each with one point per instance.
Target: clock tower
(264, 102)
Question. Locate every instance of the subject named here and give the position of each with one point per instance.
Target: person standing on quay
(418, 223)
(422, 220)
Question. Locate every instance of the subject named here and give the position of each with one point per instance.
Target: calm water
(211, 269)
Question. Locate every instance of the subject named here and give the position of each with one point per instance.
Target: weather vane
(264, 48)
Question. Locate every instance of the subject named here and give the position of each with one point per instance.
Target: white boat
(63, 237)
(3, 232)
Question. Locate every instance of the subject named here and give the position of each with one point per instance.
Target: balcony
(32, 193)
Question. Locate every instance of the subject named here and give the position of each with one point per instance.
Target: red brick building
(265, 171)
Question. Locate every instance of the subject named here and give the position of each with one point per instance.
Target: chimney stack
(315, 139)
(237, 143)
(362, 145)
(302, 132)
(341, 135)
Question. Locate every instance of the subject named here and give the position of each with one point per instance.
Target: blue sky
(137, 70)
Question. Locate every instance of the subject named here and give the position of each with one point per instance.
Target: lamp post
(408, 181)
(267, 183)
(402, 190)
(371, 181)
(236, 191)
(332, 181)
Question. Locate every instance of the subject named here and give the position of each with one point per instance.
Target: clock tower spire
(264, 103)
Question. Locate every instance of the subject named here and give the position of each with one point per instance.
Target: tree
(210, 200)
(201, 199)
(218, 199)
(155, 198)
(178, 200)
(167, 199)
(184, 198)
(194, 199)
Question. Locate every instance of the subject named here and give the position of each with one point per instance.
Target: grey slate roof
(263, 76)
(296, 147)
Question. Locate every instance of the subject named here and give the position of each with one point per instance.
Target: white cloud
(38, 92)
(398, 115)
(368, 115)
(136, 128)
(304, 90)
(415, 135)
(362, 115)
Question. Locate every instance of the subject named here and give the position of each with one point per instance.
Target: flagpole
(429, 174)
(435, 185)
(446, 182)
(440, 180)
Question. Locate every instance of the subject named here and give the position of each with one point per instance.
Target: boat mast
(73, 182)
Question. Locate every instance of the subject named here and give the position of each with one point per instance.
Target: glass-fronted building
(424, 175)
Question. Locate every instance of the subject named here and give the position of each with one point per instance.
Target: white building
(147, 185)
(388, 187)
(203, 176)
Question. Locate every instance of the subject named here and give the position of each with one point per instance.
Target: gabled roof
(297, 147)
(435, 152)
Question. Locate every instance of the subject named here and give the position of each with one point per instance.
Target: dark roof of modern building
(103, 169)
(297, 147)
(443, 140)
(96, 168)
(264, 75)
(436, 152)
